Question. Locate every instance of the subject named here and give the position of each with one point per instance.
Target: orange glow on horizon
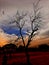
(3, 41)
(33, 43)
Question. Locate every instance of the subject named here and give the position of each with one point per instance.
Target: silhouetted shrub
(9, 48)
(43, 47)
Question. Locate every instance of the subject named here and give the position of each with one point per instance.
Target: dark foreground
(36, 58)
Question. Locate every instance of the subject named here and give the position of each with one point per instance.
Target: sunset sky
(10, 7)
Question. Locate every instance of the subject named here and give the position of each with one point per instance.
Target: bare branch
(36, 3)
(36, 19)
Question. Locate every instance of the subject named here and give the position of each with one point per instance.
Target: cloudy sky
(11, 6)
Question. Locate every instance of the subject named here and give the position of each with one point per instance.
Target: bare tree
(20, 24)
(35, 19)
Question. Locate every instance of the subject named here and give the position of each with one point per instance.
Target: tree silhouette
(44, 47)
(4, 60)
(35, 19)
(8, 48)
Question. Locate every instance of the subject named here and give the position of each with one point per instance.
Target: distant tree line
(10, 48)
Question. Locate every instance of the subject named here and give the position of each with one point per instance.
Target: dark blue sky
(10, 30)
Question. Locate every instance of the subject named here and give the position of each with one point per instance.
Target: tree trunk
(27, 57)
(4, 60)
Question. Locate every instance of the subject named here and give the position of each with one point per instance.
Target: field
(36, 58)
